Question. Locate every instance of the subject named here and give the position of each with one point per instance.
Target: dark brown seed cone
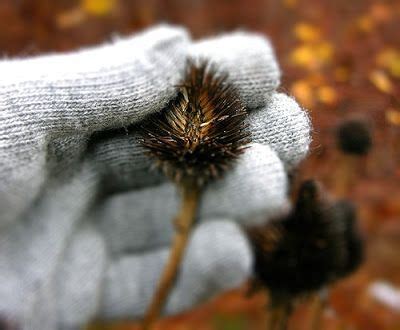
(317, 243)
(201, 131)
(354, 136)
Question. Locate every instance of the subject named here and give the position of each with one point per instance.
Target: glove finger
(108, 86)
(79, 279)
(25, 179)
(252, 191)
(46, 100)
(31, 248)
(122, 163)
(284, 126)
(250, 61)
(218, 258)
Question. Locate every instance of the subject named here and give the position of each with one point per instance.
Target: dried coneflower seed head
(354, 137)
(198, 135)
(314, 245)
(351, 239)
(194, 139)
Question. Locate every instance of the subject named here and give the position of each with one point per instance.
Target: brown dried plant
(195, 139)
(315, 245)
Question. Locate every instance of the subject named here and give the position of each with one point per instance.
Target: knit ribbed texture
(287, 127)
(250, 61)
(86, 222)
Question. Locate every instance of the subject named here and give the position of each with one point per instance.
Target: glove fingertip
(252, 192)
(250, 61)
(285, 127)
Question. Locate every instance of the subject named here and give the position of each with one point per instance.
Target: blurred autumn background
(340, 59)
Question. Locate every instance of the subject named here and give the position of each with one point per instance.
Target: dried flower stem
(354, 139)
(346, 174)
(284, 319)
(194, 140)
(318, 308)
(279, 316)
(272, 319)
(183, 224)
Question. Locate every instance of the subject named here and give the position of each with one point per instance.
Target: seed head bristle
(198, 135)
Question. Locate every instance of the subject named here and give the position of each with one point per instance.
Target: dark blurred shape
(354, 136)
(316, 244)
(6, 324)
(352, 242)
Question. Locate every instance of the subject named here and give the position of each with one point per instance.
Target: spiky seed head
(315, 244)
(354, 136)
(202, 131)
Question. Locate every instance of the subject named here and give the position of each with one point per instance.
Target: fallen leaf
(381, 81)
(393, 116)
(98, 7)
(365, 23)
(70, 18)
(303, 92)
(327, 95)
(381, 12)
(303, 56)
(312, 56)
(389, 59)
(306, 32)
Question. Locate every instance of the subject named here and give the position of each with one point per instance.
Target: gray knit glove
(85, 224)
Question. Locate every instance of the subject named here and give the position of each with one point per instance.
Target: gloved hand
(85, 222)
